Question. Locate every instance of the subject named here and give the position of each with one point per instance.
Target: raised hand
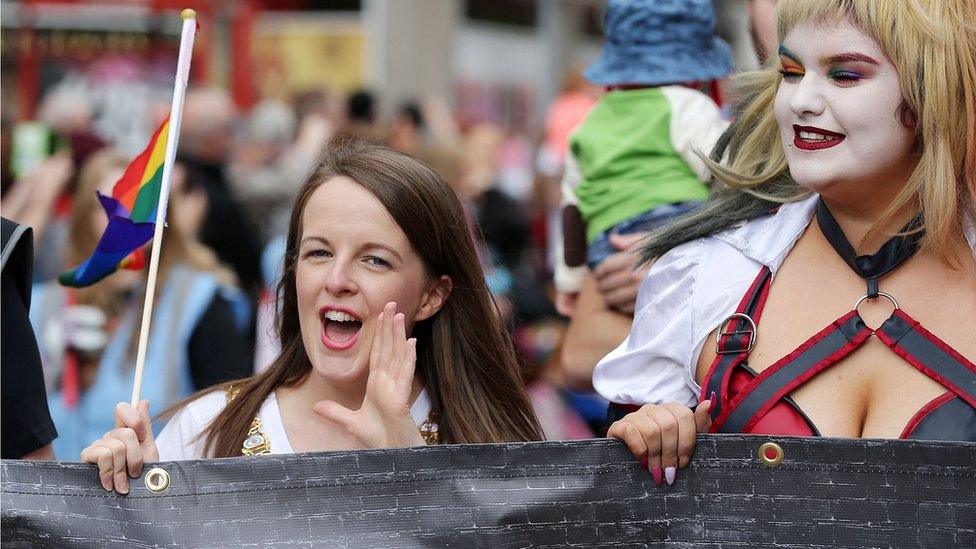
(383, 420)
(121, 452)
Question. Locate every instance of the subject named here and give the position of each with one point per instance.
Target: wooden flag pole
(175, 119)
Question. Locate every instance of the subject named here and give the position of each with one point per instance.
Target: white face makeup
(838, 113)
(352, 260)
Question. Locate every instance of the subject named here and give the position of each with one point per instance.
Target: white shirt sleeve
(568, 280)
(654, 364)
(180, 439)
(572, 178)
(696, 125)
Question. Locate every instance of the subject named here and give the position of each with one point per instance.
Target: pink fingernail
(657, 474)
(643, 463)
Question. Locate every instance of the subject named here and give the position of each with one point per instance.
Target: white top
(687, 293)
(180, 439)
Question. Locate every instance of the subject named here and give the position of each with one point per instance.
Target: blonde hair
(932, 44)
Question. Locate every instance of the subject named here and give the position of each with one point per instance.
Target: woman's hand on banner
(383, 420)
(663, 436)
(121, 452)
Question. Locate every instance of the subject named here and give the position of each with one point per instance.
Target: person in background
(362, 120)
(634, 161)
(206, 136)
(437, 144)
(36, 199)
(607, 298)
(27, 427)
(407, 132)
(88, 336)
(271, 159)
(41, 196)
(565, 113)
(762, 28)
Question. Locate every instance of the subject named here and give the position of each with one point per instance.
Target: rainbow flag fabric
(131, 214)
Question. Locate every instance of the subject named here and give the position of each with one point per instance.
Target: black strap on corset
(818, 353)
(734, 347)
(929, 355)
(892, 253)
(903, 334)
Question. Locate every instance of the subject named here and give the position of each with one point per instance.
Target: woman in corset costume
(828, 287)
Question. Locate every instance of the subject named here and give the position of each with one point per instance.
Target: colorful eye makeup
(843, 72)
(791, 66)
(845, 75)
(840, 71)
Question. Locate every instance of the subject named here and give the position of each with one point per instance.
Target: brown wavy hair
(465, 358)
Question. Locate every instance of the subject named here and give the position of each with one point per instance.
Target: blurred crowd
(235, 180)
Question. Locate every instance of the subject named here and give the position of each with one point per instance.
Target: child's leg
(601, 248)
(574, 236)
(654, 219)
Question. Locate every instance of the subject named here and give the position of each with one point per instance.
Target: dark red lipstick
(815, 138)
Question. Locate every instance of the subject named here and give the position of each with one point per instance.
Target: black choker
(892, 253)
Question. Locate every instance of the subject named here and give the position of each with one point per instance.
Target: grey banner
(825, 492)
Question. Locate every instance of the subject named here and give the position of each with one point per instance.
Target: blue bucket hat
(655, 42)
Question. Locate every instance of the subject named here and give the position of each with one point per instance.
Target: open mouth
(340, 329)
(809, 138)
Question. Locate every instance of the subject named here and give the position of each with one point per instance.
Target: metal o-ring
(771, 454)
(157, 480)
(880, 294)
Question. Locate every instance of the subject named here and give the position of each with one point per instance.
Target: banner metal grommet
(771, 454)
(157, 480)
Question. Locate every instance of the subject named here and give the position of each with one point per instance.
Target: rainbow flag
(131, 214)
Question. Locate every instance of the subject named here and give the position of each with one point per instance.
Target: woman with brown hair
(378, 251)
(88, 336)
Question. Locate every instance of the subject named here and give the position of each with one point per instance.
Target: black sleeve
(218, 350)
(26, 421)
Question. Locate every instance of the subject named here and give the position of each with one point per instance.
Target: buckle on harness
(722, 333)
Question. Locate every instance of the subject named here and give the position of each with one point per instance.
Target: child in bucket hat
(632, 162)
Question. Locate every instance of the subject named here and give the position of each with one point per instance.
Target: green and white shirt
(637, 150)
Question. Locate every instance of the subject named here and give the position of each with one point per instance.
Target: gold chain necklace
(258, 443)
